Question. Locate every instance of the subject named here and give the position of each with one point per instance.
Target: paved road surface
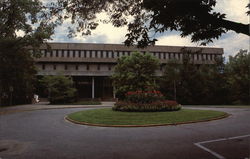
(44, 134)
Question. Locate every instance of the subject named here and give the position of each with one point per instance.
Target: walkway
(45, 105)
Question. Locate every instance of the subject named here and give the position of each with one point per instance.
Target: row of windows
(75, 67)
(116, 54)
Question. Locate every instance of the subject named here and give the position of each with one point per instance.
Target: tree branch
(237, 27)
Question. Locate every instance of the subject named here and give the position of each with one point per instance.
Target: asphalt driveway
(44, 134)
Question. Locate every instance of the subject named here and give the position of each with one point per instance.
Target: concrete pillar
(93, 87)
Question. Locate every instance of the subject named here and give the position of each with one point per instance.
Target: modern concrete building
(91, 65)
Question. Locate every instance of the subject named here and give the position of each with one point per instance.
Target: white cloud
(233, 43)
(235, 10)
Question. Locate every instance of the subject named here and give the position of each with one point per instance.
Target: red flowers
(144, 92)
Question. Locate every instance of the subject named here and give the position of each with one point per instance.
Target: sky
(232, 42)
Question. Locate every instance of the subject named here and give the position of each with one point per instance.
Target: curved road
(44, 134)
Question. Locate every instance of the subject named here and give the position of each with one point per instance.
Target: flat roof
(122, 47)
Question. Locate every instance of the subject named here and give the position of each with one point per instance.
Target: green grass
(107, 116)
(86, 103)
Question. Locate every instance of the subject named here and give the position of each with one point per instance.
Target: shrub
(60, 89)
(161, 105)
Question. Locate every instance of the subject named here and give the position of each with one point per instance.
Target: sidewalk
(45, 105)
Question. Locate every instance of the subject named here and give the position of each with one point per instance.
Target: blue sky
(232, 42)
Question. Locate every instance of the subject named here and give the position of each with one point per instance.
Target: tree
(60, 89)
(195, 84)
(171, 79)
(195, 18)
(238, 76)
(24, 26)
(135, 73)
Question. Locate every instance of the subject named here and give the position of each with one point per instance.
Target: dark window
(65, 67)
(98, 67)
(56, 53)
(87, 67)
(67, 53)
(101, 54)
(45, 53)
(164, 55)
(169, 55)
(109, 67)
(62, 53)
(112, 55)
(90, 53)
(54, 67)
(84, 54)
(74, 53)
(79, 53)
(96, 54)
(77, 67)
(43, 67)
(51, 53)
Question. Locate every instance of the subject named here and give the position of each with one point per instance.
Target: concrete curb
(148, 125)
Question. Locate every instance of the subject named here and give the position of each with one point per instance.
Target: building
(91, 65)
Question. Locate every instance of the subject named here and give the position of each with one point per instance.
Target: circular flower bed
(146, 101)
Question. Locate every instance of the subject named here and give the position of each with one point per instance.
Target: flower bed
(146, 101)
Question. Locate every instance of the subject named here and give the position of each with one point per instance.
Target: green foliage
(135, 73)
(196, 18)
(60, 89)
(238, 72)
(24, 26)
(17, 73)
(209, 84)
(160, 105)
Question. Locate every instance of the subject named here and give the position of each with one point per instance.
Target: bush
(60, 89)
(161, 105)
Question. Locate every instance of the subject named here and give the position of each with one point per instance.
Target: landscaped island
(108, 117)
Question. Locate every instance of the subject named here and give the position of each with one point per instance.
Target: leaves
(134, 72)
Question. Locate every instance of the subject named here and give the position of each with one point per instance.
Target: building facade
(91, 65)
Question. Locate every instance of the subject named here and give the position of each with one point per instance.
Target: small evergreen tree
(60, 89)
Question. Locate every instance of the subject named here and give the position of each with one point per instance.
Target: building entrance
(93, 87)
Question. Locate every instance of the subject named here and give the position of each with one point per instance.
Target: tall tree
(195, 18)
(24, 26)
(238, 75)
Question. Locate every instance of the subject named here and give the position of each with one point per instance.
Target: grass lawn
(86, 103)
(107, 116)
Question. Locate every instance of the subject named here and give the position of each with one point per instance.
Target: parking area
(228, 148)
